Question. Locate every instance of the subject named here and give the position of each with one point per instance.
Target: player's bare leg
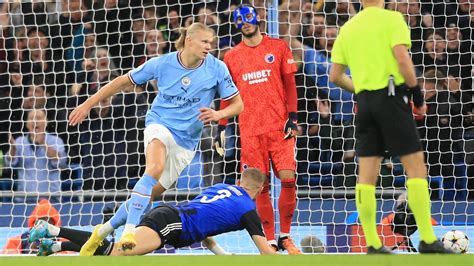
(147, 240)
(286, 207)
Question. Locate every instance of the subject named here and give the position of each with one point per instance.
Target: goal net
(55, 54)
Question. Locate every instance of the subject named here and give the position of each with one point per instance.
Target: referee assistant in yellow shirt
(374, 45)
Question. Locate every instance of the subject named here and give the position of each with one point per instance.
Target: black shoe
(274, 247)
(381, 250)
(435, 247)
(286, 243)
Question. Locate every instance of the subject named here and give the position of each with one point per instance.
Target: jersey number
(223, 193)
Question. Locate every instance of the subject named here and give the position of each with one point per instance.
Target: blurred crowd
(54, 54)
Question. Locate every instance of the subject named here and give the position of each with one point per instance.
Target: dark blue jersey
(219, 209)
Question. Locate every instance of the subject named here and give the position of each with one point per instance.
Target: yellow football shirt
(365, 43)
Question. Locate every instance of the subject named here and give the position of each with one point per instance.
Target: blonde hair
(252, 177)
(184, 32)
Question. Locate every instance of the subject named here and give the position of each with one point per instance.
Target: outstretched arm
(80, 113)
(262, 245)
(251, 222)
(212, 245)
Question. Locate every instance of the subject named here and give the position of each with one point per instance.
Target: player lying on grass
(219, 209)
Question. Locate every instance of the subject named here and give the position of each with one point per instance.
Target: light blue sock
(120, 216)
(139, 201)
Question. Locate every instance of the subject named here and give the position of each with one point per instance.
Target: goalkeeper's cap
(245, 14)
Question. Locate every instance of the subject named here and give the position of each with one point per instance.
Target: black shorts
(166, 222)
(385, 123)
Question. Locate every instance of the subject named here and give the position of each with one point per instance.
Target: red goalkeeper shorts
(257, 151)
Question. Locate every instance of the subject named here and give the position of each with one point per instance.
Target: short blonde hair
(184, 32)
(253, 177)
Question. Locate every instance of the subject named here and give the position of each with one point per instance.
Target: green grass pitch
(242, 260)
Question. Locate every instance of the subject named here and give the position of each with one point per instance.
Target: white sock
(53, 230)
(273, 242)
(129, 228)
(106, 229)
(282, 235)
(56, 247)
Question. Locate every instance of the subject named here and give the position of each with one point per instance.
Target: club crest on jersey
(269, 58)
(186, 81)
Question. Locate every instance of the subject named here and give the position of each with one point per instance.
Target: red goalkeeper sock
(265, 211)
(287, 204)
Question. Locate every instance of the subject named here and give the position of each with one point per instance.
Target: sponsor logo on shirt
(269, 58)
(179, 101)
(257, 76)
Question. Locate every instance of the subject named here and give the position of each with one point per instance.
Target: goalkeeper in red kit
(264, 71)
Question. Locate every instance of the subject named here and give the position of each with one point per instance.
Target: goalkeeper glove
(291, 126)
(219, 142)
(417, 96)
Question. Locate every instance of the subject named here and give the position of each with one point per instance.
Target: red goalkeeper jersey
(257, 72)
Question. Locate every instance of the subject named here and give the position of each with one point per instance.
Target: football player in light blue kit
(188, 81)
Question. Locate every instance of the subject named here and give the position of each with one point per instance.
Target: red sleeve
(223, 121)
(224, 104)
(288, 63)
(289, 84)
(288, 69)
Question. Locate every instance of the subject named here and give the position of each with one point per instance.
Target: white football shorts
(177, 157)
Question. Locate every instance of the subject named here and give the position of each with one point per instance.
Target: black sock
(77, 236)
(70, 246)
(105, 249)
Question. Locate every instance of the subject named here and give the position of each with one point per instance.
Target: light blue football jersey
(182, 91)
